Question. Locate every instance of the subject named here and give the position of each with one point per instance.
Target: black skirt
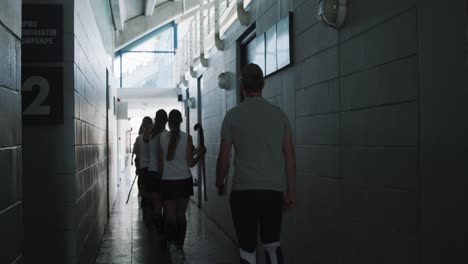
(153, 181)
(142, 178)
(176, 189)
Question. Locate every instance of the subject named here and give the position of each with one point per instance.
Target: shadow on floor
(131, 239)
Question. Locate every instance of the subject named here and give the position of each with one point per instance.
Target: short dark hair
(252, 78)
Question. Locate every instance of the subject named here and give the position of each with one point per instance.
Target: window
(147, 62)
(249, 51)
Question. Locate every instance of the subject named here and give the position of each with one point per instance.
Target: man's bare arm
(194, 155)
(222, 166)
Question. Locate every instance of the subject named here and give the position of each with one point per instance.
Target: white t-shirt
(153, 152)
(257, 129)
(176, 169)
(143, 153)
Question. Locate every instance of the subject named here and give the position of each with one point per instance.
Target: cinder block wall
(48, 164)
(366, 193)
(90, 64)
(66, 184)
(11, 219)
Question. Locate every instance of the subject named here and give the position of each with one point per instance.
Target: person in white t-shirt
(151, 137)
(141, 152)
(176, 157)
(264, 181)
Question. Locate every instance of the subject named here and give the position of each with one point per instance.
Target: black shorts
(176, 189)
(252, 209)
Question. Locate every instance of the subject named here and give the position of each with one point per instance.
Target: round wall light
(223, 80)
(332, 12)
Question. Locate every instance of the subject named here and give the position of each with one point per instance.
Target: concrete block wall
(353, 97)
(11, 224)
(91, 179)
(67, 193)
(48, 164)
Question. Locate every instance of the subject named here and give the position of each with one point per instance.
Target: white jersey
(153, 152)
(176, 169)
(143, 153)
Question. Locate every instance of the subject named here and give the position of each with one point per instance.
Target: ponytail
(175, 118)
(173, 140)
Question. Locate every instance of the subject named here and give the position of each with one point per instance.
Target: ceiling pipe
(193, 73)
(218, 41)
(204, 61)
(242, 14)
(149, 7)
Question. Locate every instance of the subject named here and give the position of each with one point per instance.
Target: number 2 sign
(42, 95)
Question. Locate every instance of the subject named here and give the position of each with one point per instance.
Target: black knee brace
(181, 231)
(171, 230)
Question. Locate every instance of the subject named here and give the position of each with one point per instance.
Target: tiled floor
(128, 240)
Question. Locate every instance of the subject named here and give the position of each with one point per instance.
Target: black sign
(42, 33)
(42, 95)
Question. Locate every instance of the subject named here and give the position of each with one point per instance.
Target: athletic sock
(247, 258)
(273, 253)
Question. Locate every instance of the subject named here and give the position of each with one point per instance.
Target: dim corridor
(129, 240)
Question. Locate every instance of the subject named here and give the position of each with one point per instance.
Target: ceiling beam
(118, 13)
(149, 8)
(141, 25)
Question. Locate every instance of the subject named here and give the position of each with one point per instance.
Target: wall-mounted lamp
(332, 12)
(223, 80)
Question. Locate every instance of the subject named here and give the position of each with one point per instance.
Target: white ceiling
(135, 8)
(135, 18)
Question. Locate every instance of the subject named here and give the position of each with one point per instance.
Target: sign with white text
(42, 95)
(42, 64)
(42, 33)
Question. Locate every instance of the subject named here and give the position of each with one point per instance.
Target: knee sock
(273, 253)
(181, 231)
(247, 258)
